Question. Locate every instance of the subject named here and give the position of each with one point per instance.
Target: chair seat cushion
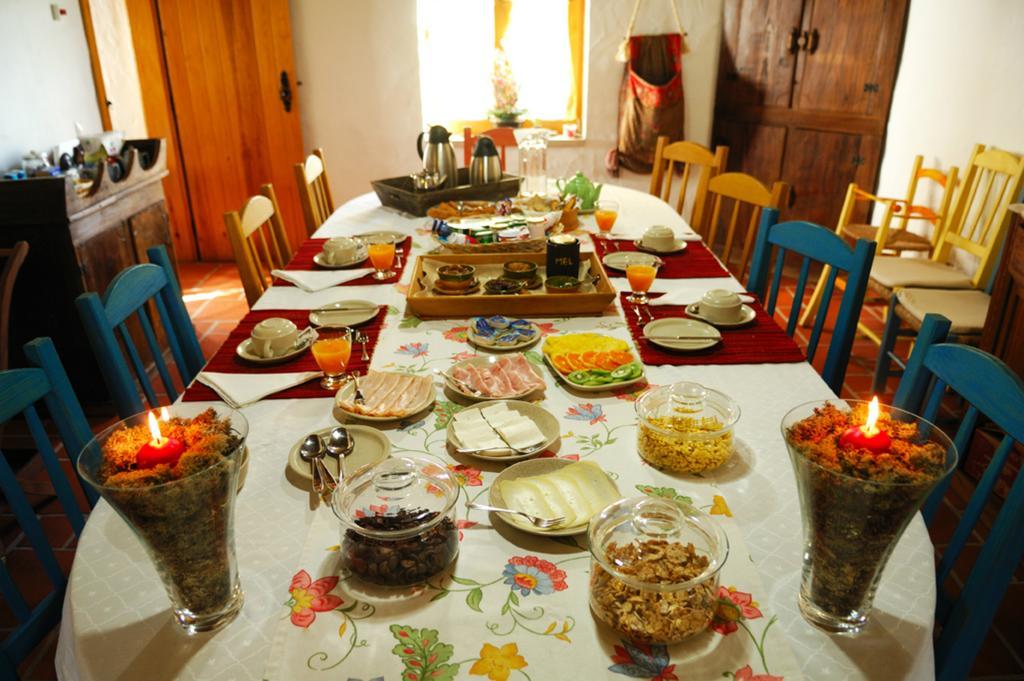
(965, 309)
(895, 272)
(899, 240)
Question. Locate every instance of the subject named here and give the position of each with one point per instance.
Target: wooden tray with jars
(425, 300)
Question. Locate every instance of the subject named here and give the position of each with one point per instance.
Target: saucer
(371, 447)
(305, 340)
(344, 313)
(747, 315)
(678, 247)
(675, 326)
(620, 260)
(464, 292)
(322, 261)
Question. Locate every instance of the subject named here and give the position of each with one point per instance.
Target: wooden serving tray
(426, 304)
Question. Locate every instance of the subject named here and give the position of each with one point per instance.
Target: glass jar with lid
(654, 568)
(398, 521)
(685, 427)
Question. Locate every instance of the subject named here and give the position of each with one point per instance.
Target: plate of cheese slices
(506, 430)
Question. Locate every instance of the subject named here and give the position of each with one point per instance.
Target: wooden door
(759, 53)
(226, 63)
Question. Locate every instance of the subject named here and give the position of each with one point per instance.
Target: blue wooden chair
(815, 244)
(20, 390)
(991, 389)
(105, 319)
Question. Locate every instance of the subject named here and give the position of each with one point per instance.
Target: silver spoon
(311, 451)
(363, 339)
(339, 445)
(537, 521)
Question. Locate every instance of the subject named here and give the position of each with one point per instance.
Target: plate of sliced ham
(387, 396)
(502, 377)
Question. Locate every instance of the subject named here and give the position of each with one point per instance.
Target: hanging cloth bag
(651, 96)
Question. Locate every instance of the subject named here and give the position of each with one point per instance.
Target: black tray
(398, 192)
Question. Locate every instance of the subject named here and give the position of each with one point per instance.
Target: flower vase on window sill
(505, 114)
(506, 119)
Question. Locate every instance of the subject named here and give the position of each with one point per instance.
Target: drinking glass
(332, 350)
(382, 254)
(605, 215)
(640, 279)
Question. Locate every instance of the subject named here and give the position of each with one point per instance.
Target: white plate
(306, 338)
(371, 446)
(597, 388)
(620, 260)
(747, 315)
(526, 469)
(328, 315)
(487, 344)
(674, 326)
(678, 247)
(349, 388)
(397, 237)
(544, 419)
(321, 260)
(480, 362)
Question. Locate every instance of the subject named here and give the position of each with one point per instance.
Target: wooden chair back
(691, 158)
(502, 138)
(980, 217)
(130, 294)
(314, 190)
(13, 259)
(991, 390)
(913, 209)
(747, 197)
(815, 244)
(20, 391)
(259, 241)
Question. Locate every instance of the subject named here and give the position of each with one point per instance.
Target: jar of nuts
(685, 427)
(654, 568)
(398, 521)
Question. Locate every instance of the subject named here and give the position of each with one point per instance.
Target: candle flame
(869, 426)
(164, 414)
(154, 430)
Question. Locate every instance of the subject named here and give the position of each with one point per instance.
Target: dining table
(516, 604)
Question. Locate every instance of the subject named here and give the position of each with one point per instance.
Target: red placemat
(303, 260)
(694, 262)
(226, 361)
(760, 342)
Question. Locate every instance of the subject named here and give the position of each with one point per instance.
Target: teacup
(659, 238)
(722, 306)
(273, 337)
(340, 250)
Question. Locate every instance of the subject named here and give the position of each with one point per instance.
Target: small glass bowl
(685, 427)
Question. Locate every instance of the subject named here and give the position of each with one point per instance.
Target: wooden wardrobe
(804, 89)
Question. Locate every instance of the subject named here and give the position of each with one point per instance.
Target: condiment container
(685, 427)
(654, 568)
(398, 521)
(563, 256)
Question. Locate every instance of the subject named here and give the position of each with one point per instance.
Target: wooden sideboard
(77, 243)
(1003, 334)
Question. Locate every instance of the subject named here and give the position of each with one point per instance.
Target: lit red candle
(159, 450)
(869, 436)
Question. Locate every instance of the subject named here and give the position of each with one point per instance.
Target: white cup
(273, 337)
(659, 238)
(340, 250)
(720, 305)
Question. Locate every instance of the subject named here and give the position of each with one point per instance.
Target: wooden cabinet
(804, 90)
(1003, 334)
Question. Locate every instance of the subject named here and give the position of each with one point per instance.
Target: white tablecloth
(117, 625)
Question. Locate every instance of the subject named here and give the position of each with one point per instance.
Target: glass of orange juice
(605, 215)
(640, 279)
(382, 256)
(332, 350)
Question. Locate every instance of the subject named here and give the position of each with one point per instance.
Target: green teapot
(583, 189)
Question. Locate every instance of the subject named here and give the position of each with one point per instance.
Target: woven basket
(521, 246)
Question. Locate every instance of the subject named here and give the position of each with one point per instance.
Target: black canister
(563, 256)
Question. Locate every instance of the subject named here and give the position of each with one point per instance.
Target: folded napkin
(317, 281)
(684, 235)
(239, 390)
(686, 296)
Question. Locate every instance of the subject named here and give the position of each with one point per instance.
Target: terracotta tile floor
(216, 301)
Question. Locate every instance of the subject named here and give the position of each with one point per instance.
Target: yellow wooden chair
(687, 155)
(259, 241)
(314, 190)
(747, 196)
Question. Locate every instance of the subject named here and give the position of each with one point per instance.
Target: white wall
(46, 81)
(113, 32)
(360, 95)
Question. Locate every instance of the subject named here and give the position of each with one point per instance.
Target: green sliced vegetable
(579, 377)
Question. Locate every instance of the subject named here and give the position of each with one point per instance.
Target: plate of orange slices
(589, 362)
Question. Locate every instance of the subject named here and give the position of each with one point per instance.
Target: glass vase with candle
(861, 480)
(174, 481)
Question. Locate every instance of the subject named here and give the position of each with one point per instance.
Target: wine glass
(382, 254)
(605, 215)
(640, 277)
(332, 350)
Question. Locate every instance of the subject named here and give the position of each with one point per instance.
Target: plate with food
(590, 362)
(553, 488)
(386, 396)
(344, 313)
(503, 377)
(501, 333)
(503, 431)
(370, 446)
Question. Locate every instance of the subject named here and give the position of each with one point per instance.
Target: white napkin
(620, 236)
(239, 390)
(317, 281)
(686, 296)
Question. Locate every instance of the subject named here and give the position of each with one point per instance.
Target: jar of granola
(654, 568)
(685, 427)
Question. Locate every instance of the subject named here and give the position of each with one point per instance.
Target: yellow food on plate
(578, 343)
(575, 492)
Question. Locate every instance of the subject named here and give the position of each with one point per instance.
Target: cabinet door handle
(812, 43)
(793, 44)
(285, 93)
